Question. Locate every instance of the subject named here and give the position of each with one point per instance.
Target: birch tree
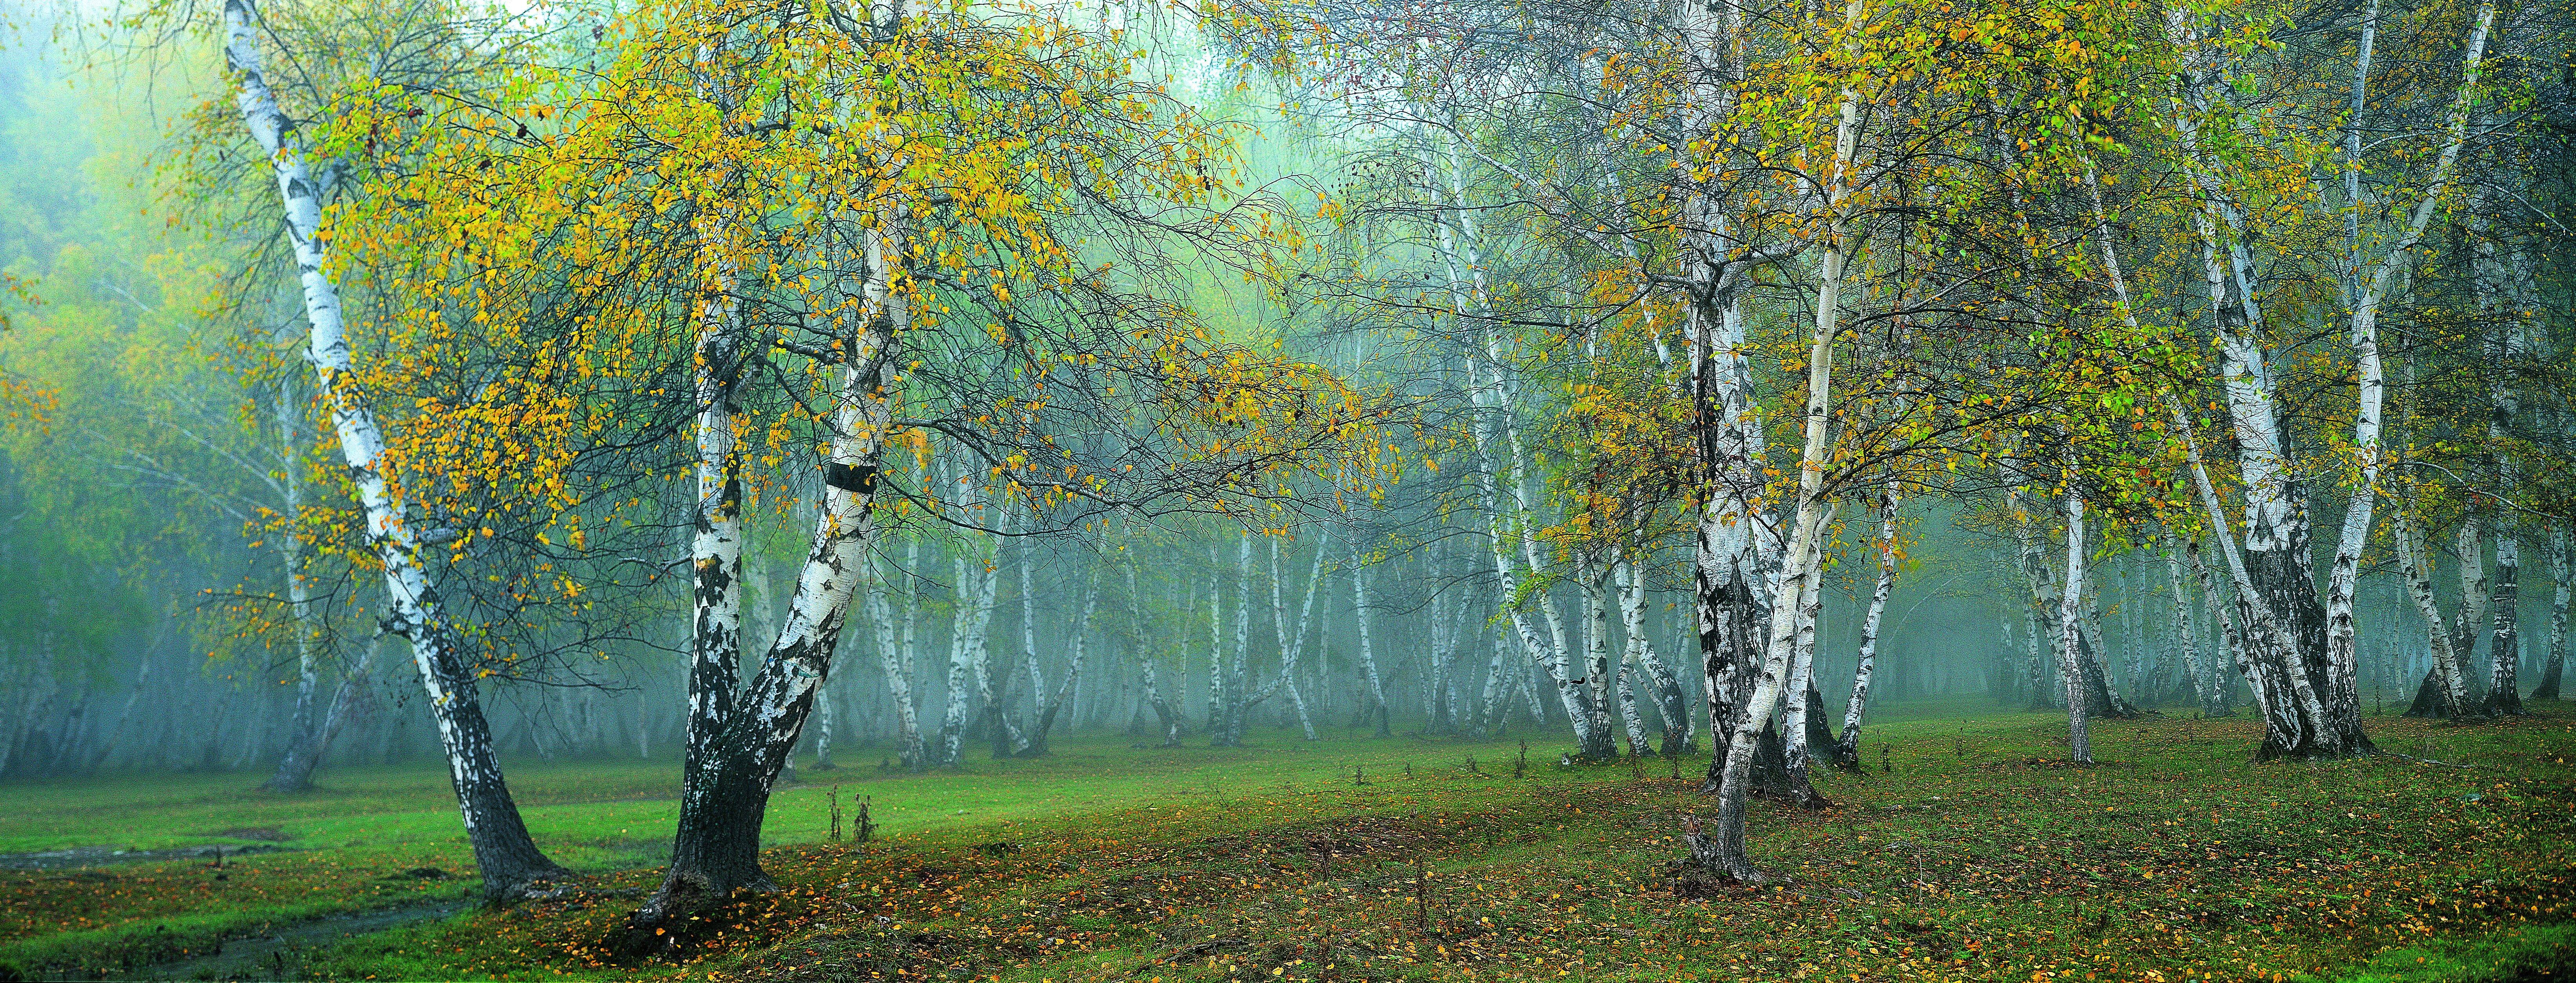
(508, 859)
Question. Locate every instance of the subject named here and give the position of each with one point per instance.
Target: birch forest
(1287, 489)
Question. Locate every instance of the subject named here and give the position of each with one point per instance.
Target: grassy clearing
(2529, 952)
(1975, 854)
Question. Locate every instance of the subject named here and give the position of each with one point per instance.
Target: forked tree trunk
(975, 583)
(1165, 713)
(1753, 735)
(2106, 700)
(1292, 641)
(2040, 612)
(2263, 649)
(295, 773)
(739, 753)
(2468, 546)
(2296, 636)
(1803, 559)
(508, 860)
(1074, 647)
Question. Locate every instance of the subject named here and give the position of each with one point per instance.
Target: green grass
(2531, 952)
(1977, 855)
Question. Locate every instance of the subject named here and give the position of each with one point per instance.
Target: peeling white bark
(502, 848)
(1849, 752)
(2416, 566)
(2070, 607)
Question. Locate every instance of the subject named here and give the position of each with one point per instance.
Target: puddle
(277, 952)
(99, 856)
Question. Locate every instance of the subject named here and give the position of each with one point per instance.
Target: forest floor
(1969, 850)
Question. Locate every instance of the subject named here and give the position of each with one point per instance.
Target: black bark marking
(857, 479)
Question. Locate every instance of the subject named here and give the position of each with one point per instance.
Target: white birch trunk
(1848, 752)
(2205, 685)
(2070, 606)
(1803, 559)
(1292, 644)
(508, 859)
(1362, 608)
(2561, 591)
(2231, 633)
(2416, 566)
(1796, 710)
(968, 678)
(1671, 704)
(2468, 545)
(894, 656)
(1496, 696)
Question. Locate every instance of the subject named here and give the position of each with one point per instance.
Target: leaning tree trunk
(2105, 699)
(1292, 641)
(975, 586)
(1164, 714)
(1736, 779)
(2041, 583)
(1847, 750)
(1671, 703)
(2453, 692)
(2314, 649)
(2264, 651)
(2443, 693)
(1508, 521)
(507, 858)
(1361, 610)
